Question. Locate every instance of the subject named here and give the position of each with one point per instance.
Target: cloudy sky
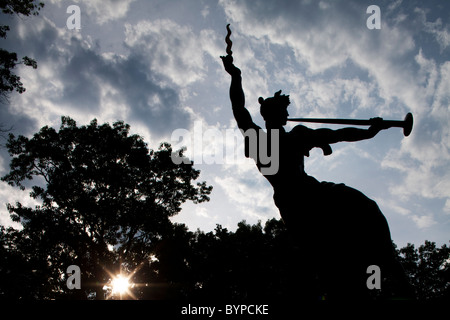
(155, 65)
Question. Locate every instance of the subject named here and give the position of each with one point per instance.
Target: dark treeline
(260, 262)
(253, 263)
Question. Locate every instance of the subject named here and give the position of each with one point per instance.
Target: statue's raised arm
(237, 97)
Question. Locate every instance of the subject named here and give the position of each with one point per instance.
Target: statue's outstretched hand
(229, 66)
(377, 125)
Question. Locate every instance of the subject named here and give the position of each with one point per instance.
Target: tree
(8, 60)
(428, 269)
(105, 200)
(3, 133)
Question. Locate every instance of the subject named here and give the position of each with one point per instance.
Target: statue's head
(274, 109)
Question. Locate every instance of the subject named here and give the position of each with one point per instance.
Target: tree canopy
(104, 196)
(428, 269)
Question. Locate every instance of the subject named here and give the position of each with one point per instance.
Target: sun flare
(120, 284)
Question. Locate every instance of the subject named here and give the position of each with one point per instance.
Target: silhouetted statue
(329, 222)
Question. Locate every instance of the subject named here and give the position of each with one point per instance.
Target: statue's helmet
(273, 105)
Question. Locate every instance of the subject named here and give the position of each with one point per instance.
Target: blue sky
(155, 65)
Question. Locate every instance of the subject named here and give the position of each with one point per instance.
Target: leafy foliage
(100, 188)
(428, 269)
(8, 80)
(8, 60)
(24, 7)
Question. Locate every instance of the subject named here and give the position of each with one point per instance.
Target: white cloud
(172, 49)
(202, 212)
(393, 205)
(75, 78)
(425, 156)
(423, 222)
(447, 206)
(252, 195)
(322, 42)
(205, 11)
(440, 31)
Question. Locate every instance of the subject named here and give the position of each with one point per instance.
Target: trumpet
(406, 124)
